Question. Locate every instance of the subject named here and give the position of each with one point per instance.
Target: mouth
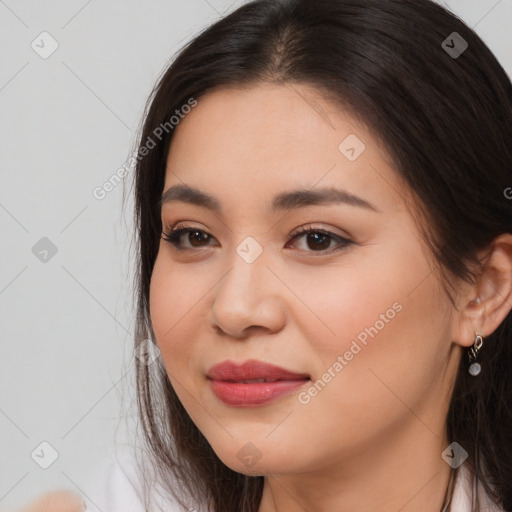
(253, 383)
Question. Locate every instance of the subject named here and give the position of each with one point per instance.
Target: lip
(225, 379)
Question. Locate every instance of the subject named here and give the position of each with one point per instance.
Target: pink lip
(225, 381)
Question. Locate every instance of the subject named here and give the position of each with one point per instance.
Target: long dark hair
(445, 119)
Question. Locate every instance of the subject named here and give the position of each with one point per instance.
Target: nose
(248, 299)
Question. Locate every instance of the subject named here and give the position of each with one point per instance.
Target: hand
(57, 502)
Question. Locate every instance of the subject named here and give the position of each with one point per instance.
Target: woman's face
(356, 314)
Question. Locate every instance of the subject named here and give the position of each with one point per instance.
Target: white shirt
(117, 488)
(463, 492)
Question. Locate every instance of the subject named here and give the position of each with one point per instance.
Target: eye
(316, 239)
(320, 240)
(195, 237)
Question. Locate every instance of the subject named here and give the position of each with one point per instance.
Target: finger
(62, 501)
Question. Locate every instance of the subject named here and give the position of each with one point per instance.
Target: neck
(404, 472)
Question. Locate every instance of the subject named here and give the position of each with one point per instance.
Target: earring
(475, 368)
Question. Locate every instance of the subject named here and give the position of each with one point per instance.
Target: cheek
(173, 295)
(175, 299)
(344, 302)
(371, 324)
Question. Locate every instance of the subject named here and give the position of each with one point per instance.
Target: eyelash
(179, 230)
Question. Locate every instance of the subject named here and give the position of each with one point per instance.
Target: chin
(252, 458)
(260, 468)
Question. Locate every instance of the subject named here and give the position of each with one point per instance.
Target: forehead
(275, 121)
(269, 138)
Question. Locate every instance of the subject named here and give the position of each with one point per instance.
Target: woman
(324, 231)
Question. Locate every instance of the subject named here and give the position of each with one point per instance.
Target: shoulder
(117, 486)
(464, 492)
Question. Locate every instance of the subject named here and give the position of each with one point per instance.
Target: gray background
(67, 123)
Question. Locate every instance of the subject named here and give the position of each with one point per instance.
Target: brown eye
(196, 238)
(319, 240)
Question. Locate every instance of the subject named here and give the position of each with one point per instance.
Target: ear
(486, 303)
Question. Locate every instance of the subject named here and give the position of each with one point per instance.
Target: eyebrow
(294, 199)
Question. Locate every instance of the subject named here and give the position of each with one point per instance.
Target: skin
(372, 438)
(59, 501)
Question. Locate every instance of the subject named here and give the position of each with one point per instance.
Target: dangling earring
(475, 368)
